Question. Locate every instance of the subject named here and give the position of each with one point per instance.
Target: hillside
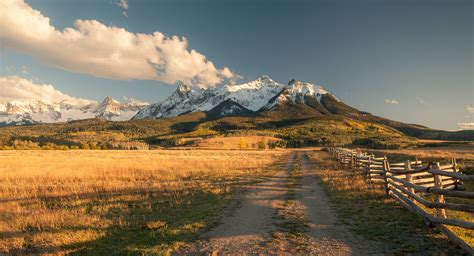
(96, 133)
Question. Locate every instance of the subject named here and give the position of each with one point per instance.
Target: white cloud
(17, 88)
(466, 126)
(135, 101)
(123, 4)
(470, 109)
(420, 99)
(391, 101)
(24, 70)
(90, 47)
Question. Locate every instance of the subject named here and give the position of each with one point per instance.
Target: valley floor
(199, 202)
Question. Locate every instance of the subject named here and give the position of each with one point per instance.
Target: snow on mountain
(233, 99)
(260, 94)
(20, 112)
(114, 110)
(297, 92)
(252, 95)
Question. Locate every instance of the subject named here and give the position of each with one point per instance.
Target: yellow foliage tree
(243, 143)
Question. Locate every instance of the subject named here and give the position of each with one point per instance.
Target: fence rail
(417, 186)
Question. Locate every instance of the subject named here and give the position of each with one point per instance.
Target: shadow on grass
(367, 210)
(149, 222)
(136, 220)
(155, 226)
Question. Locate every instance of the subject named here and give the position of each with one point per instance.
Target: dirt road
(251, 227)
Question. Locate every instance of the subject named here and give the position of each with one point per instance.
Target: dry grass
(369, 212)
(464, 155)
(57, 202)
(234, 142)
(459, 152)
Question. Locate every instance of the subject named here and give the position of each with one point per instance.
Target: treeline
(18, 144)
(262, 144)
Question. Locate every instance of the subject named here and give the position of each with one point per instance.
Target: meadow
(129, 202)
(159, 201)
(365, 207)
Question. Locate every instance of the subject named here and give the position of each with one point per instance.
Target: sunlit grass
(371, 213)
(57, 202)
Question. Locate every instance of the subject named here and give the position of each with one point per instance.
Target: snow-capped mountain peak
(35, 111)
(298, 90)
(262, 93)
(252, 96)
(184, 88)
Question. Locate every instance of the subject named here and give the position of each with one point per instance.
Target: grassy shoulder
(371, 214)
(291, 222)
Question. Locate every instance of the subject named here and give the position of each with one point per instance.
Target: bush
(243, 144)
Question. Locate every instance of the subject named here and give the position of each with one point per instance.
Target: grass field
(129, 202)
(464, 156)
(371, 214)
(154, 201)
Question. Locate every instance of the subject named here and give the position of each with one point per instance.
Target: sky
(410, 61)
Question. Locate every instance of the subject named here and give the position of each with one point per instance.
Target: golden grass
(56, 202)
(374, 215)
(459, 152)
(234, 142)
(465, 159)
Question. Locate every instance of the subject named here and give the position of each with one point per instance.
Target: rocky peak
(109, 100)
(182, 87)
(264, 78)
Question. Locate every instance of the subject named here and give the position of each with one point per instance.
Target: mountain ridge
(266, 98)
(255, 96)
(27, 112)
(297, 114)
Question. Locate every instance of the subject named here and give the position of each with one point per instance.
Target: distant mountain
(298, 114)
(266, 98)
(255, 96)
(24, 112)
(262, 97)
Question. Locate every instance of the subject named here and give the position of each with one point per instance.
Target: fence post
(352, 164)
(438, 184)
(386, 170)
(367, 167)
(409, 178)
(456, 181)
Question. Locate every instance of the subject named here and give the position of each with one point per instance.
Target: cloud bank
(92, 48)
(17, 88)
(466, 126)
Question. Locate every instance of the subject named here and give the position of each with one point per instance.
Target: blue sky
(370, 54)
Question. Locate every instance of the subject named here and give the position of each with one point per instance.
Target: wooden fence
(418, 187)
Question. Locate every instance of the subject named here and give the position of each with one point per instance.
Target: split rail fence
(418, 187)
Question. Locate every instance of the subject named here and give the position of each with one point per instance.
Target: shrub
(243, 144)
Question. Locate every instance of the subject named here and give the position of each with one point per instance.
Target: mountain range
(296, 114)
(27, 112)
(256, 96)
(266, 103)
